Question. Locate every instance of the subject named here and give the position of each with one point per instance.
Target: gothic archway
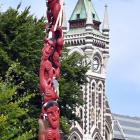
(97, 136)
(75, 136)
(108, 131)
(76, 50)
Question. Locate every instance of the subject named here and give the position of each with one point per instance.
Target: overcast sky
(123, 72)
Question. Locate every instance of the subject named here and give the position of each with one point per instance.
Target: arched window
(92, 116)
(99, 114)
(93, 94)
(99, 126)
(107, 134)
(75, 136)
(100, 100)
(96, 138)
(81, 113)
(100, 96)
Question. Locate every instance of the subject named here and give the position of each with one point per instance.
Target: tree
(73, 76)
(13, 117)
(21, 41)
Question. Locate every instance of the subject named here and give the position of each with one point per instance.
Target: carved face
(53, 116)
(48, 48)
(46, 51)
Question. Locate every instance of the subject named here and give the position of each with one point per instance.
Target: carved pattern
(49, 73)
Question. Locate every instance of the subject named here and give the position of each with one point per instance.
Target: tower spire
(105, 27)
(64, 25)
(89, 12)
(89, 20)
(84, 14)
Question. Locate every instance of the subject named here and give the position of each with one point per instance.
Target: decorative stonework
(89, 41)
(50, 71)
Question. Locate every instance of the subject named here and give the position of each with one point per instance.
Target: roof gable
(81, 9)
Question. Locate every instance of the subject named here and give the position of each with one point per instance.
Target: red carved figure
(57, 36)
(53, 116)
(50, 112)
(49, 73)
(46, 73)
(54, 9)
(52, 134)
(58, 46)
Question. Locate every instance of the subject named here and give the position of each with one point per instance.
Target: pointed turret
(105, 27)
(89, 20)
(84, 13)
(64, 26)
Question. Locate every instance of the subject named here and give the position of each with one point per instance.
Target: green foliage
(72, 77)
(64, 125)
(21, 40)
(12, 117)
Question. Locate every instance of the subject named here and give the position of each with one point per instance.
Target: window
(78, 16)
(81, 113)
(93, 94)
(100, 100)
(75, 136)
(100, 92)
(92, 116)
(93, 15)
(99, 126)
(107, 137)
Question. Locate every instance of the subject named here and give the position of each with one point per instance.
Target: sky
(123, 70)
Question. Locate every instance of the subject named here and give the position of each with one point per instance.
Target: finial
(89, 14)
(106, 5)
(105, 27)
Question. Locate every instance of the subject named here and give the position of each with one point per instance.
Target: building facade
(126, 127)
(86, 38)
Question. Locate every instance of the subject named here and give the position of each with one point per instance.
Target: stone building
(86, 37)
(126, 127)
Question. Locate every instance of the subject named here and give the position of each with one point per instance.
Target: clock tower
(86, 38)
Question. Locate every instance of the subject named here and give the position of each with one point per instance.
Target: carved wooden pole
(50, 71)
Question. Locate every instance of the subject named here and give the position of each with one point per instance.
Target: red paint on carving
(49, 74)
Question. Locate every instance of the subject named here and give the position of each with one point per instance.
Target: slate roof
(82, 8)
(126, 127)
